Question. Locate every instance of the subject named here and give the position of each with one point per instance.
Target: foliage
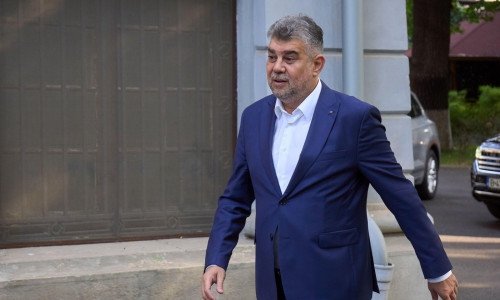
(458, 156)
(409, 21)
(474, 120)
(472, 11)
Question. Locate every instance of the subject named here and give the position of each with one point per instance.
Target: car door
(420, 131)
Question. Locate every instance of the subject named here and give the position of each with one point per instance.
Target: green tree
(473, 11)
(474, 121)
(430, 24)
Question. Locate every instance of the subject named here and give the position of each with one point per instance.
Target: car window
(416, 110)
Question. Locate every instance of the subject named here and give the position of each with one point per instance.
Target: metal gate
(116, 118)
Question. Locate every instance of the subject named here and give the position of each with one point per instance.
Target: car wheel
(427, 190)
(494, 209)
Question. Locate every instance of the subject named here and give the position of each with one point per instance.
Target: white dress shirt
(290, 134)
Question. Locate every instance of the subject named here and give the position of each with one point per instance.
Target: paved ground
(470, 235)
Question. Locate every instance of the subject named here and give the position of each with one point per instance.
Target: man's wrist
(435, 280)
(210, 267)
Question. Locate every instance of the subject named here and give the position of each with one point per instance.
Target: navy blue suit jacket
(324, 247)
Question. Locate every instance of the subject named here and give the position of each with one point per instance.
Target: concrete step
(161, 269)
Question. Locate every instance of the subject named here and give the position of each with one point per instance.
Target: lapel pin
(331, 112)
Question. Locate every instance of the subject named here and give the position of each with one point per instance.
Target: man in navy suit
(307, 154)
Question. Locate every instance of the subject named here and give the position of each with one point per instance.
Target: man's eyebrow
(289, 52)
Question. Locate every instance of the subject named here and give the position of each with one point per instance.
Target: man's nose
(279, 66)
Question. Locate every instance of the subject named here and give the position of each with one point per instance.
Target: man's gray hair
(300, 27)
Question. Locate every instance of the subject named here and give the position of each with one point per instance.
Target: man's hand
(212, 275)
(446, 289)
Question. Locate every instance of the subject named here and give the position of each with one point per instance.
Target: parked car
(485, 175)
(426, 151)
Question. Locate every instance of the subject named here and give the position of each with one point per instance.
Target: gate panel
(173, 165)
(51, 142)
(116, 117)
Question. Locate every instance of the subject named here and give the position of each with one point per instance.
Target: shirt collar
(306, 107)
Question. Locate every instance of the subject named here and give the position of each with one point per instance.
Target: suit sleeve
(378, 164)
(233, 208)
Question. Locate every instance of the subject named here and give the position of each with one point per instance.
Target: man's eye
(271, 58)
(289, 59)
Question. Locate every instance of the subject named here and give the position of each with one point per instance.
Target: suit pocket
(332, 155)
(339, 238)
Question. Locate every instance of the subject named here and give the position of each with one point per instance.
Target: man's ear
(319, 63)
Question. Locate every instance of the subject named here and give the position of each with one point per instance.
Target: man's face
(290, 72)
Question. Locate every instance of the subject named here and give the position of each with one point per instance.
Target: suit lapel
(267, 124)
(324, 117)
